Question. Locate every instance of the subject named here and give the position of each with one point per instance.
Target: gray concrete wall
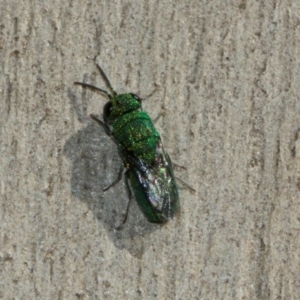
(227, 76)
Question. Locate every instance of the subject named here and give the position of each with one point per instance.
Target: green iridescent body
(148, 167)
(134, 129)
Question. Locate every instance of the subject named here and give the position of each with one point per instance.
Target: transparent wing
(155, 186)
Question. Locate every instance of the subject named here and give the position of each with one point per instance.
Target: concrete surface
(227, 76)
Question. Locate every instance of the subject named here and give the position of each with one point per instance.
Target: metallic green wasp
(148, 167)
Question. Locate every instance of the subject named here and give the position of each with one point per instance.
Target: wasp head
(120, 105)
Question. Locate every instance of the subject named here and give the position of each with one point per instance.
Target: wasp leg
(129, 193)
(104, 125)
(117, 180)
(178, 166)
(152, 93)
(161, 114)
(185, 184)
(182, 182)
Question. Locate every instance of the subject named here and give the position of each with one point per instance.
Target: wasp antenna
(106, 80)
(94, 88)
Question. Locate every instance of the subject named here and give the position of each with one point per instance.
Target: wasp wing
(154, 186)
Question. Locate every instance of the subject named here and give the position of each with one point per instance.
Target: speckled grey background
(227, 75)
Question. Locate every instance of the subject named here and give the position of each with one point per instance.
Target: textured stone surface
(228, 82)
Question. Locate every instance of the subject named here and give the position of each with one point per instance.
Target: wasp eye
(135, 96)
(107, 110)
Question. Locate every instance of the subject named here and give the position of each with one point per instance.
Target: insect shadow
(95, 164)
